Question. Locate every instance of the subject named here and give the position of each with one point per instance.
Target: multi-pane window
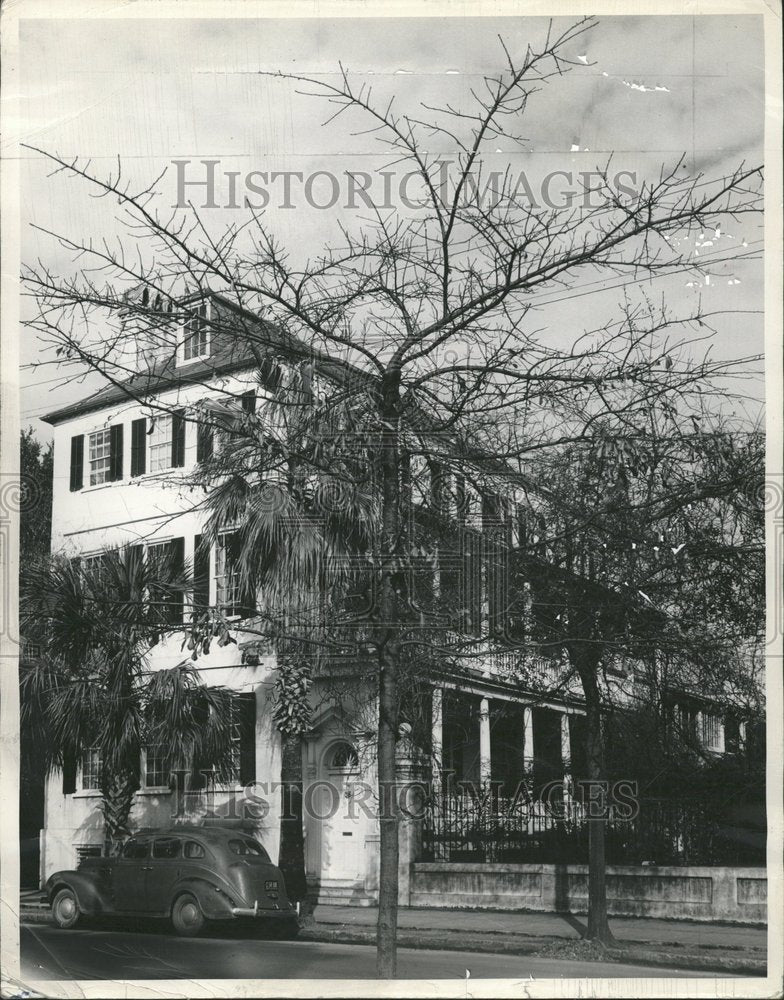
(227, 575)
(161, 444)
(195, 344)
(100, 457)
(687, 720)
(92, 768)
(156, 766)
(96, 568)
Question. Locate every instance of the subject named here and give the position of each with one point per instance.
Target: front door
(343, 833)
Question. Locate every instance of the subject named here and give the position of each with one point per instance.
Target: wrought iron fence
(663, 832)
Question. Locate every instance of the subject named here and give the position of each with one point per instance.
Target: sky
(149, 92)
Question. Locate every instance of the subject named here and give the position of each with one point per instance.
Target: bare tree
(423, 323)
(649, 555)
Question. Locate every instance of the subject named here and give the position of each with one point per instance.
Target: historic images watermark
(204, 183)
(615, 801)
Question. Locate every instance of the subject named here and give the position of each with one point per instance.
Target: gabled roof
(231, 352)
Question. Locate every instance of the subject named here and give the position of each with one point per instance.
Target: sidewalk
(675, 933)
(669, 943)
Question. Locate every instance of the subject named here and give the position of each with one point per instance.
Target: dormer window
(196, 342)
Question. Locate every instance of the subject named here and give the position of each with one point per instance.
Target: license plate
(270, 886)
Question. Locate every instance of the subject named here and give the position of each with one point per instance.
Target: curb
(35, 915)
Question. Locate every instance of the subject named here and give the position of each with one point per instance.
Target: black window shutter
(178, 439)
(136, 560)
(246, 705)
(77, 462)
(69, 773)
(116, 452)
(203, 441)
(201, 574)
(249, 401)
(139, 446)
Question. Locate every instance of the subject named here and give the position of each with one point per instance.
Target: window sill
(156, 476)
(183, 363)
(160, 790)
(217, 790)
(87, 793)
(98, 486)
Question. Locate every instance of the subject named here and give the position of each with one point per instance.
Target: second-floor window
(104, 450)
(100, 457)
(158, 442)
(161, 444)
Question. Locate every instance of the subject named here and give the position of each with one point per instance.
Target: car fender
(91, 899)
(213, 899)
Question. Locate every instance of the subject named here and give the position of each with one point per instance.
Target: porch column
(437, 738)
(528, 739)
(484, 742)
(566, 747)
(566, 759)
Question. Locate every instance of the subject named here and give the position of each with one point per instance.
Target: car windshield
(246, 847)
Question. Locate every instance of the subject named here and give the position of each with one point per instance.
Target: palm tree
(299, 492)
(91, 689)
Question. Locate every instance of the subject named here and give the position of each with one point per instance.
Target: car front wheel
(187, 918)
(65, 909)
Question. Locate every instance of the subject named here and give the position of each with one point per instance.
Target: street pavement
(124, 953)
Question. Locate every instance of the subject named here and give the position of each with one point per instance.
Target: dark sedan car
(189, 874)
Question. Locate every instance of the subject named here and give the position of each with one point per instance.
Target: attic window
(195, 343)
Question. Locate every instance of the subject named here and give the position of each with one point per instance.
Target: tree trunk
(587, 662)
(292, 842)
(388, 650)
(117, 791)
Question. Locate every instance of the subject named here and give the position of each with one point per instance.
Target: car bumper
(266, 914)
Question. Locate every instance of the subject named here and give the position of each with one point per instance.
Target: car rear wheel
(187, 918)
(65, 909)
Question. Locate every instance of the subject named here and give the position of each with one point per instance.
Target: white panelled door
(343, 833)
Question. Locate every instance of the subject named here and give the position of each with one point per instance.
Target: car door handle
(147, 868)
